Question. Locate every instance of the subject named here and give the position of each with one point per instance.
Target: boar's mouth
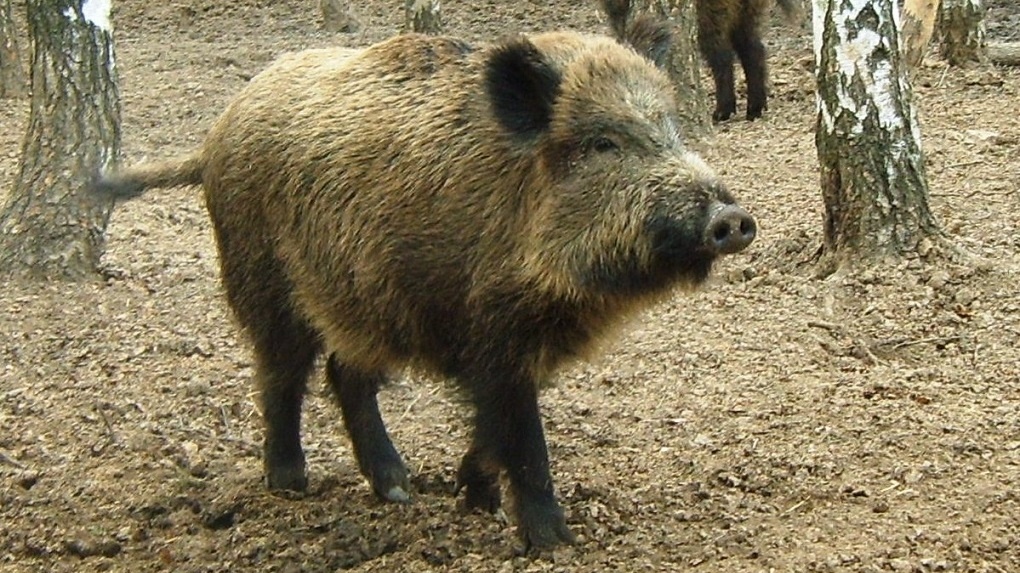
(679, 250)
(677, 254)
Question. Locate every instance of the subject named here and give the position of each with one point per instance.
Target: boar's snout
(729, 230)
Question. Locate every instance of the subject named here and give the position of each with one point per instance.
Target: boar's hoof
(729, 230)
(392, 484)
(481, 494)
(480, 485)
(290, 478)
(542, 525)
(388, 477)
(723, 114)
(397, 494)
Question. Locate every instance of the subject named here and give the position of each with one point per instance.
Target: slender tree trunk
(12, 75)
(685, 70)
(423, 16)
(869, 143)
(962, 25)
(338, 16)
(50, 225)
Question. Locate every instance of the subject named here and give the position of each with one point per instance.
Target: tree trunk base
(934, 251)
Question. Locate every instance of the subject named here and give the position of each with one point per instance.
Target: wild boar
(483, 213)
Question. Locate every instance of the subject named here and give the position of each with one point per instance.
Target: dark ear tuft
(652, 38)
(522, 86)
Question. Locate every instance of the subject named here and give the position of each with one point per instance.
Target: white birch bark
(868, 138)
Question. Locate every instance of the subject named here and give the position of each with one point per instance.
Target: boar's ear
(617, 12)
(652, 38)
(522, 86)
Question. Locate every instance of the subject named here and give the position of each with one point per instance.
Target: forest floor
(776, 420)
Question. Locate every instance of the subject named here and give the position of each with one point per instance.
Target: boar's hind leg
(377, 458)
(508, 431)
(284, 344)
(285, 350)
(479, 478)
(749, 47)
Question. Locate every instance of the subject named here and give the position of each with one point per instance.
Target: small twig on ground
(6, 459)
(987, 193)
(894, 485)
(416, 399)
(794, 507)
(942, 78)
(965, 164)
(111, 435)
(934, 339)
(835, 328)
(226, 420)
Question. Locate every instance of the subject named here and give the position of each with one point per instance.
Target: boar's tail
(133, 181)
(791, 8)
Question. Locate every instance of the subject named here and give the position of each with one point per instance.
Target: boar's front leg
(508, 435)
(378, 459)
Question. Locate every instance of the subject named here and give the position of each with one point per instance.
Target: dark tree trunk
(962, 26)
(869, 143)
(12, 75)
(50, 225)
(685, 70)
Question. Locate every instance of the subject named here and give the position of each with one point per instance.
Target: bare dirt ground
(775, 421)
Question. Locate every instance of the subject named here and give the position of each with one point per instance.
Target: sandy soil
(775, 421)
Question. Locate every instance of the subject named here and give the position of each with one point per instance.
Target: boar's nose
(730, 229)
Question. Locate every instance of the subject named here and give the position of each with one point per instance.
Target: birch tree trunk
(12, 76)
(685, 69)
(962, 26)
(51, 226)
(869, 143)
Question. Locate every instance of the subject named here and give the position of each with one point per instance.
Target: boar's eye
(603, 144)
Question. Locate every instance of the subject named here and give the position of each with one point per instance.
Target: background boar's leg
(720, 59)
(509, 429)
(748, 45)
(378, 459)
